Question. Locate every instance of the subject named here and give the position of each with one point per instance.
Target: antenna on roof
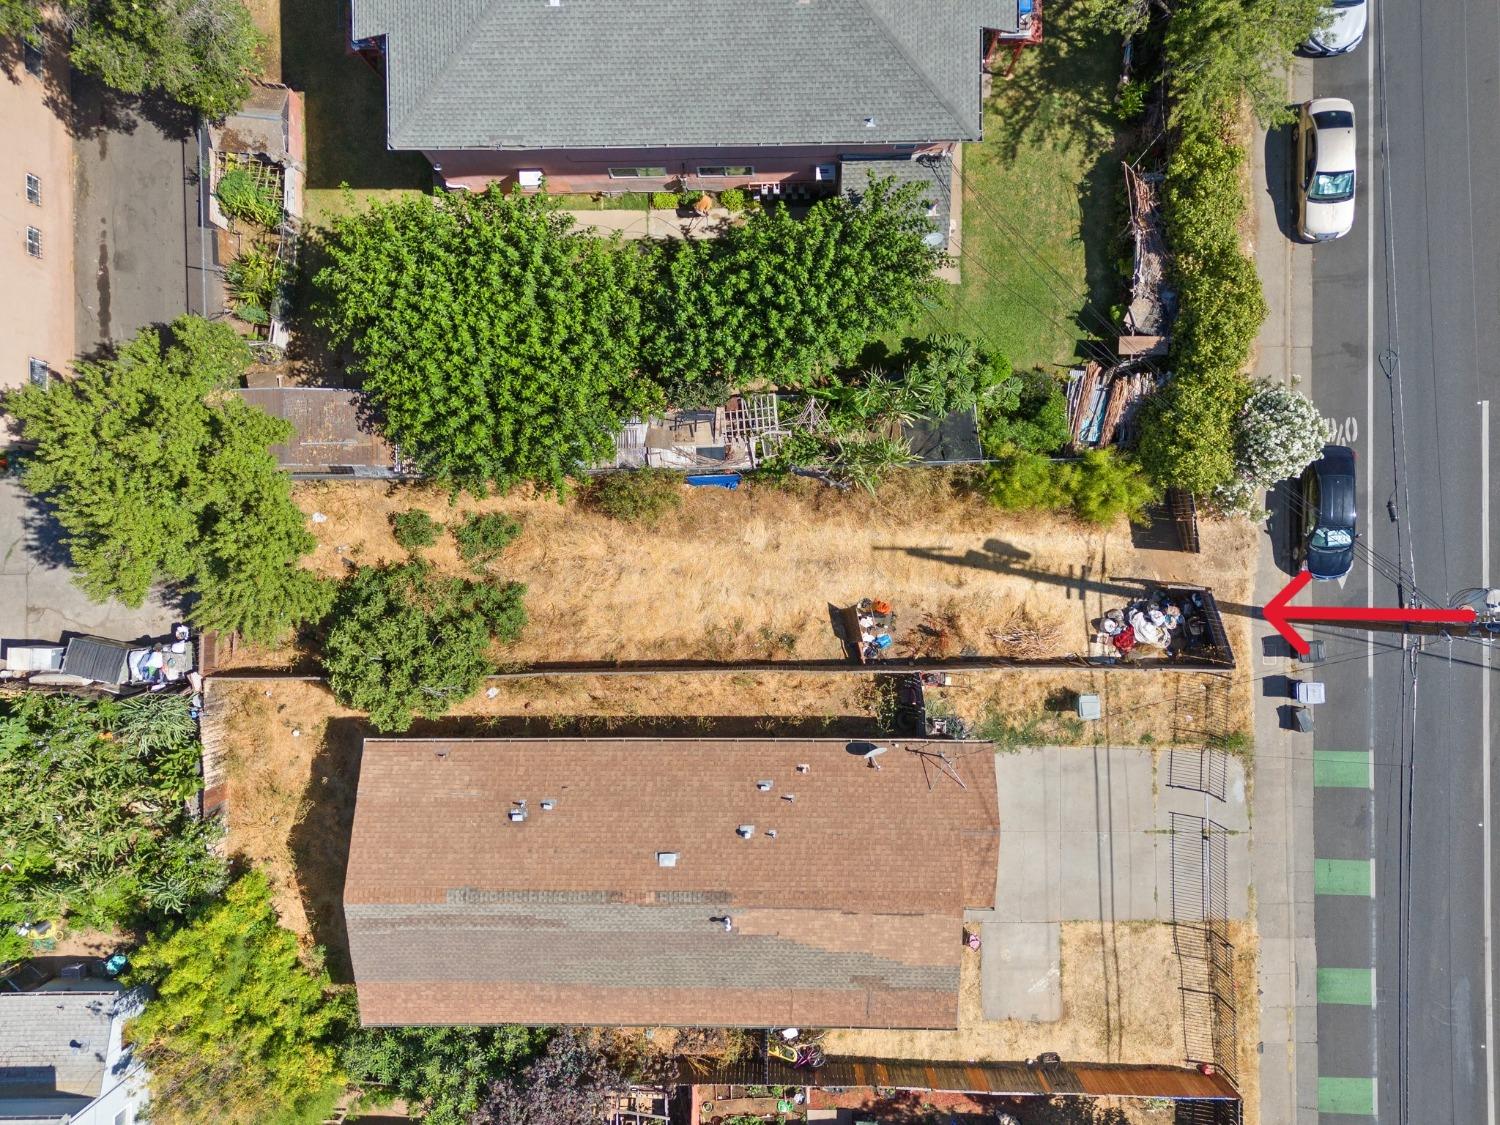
(940, 760)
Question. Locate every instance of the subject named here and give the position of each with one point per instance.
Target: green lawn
(345, 111)
(1042, 212)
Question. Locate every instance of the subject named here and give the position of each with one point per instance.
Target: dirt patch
(753, 574)
(1115, 1008)
(266, 16)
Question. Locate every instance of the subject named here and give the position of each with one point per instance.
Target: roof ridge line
(895, 41)
(486, 9)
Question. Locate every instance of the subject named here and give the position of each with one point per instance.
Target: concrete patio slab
(1020, 971)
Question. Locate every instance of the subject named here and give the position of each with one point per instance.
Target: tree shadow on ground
(320, 840)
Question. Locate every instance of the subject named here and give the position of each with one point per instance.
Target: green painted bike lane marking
(1347, 1095)
(1344, 877)
(1347, 986)
(1341, 769)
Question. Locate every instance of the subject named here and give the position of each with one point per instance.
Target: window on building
(123, 1117)
(33, 242)
(33, 189)
(32, 57)
(728, 170)
(39, 373)
(637, 173)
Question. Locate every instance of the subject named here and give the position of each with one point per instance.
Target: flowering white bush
(1278, 433)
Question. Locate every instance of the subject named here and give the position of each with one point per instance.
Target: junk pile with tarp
(869, 629)
(115, 666)
(1148, 317)
(1166, 622)
(1103, 403)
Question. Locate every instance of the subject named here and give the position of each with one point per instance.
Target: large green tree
(93, 824)
(201, 53)
(238, 1031)
(440, 1072)
(499, 344)
(785, 299)
(406, 641)
(158, 471)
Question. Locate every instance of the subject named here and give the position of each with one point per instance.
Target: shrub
(414, 528)
(665, 200)
(1100, 486)
(481, 538)
(1032, 416)
(440, 1071)
(732, 200)
(406, 641)
(1187, 431)
(1278, 433)
(95, 826)
(242, 198)
(233, 999)
(691, 198)
(635, 495)
(254, 276)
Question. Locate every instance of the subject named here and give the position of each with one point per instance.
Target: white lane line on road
(1484, 745)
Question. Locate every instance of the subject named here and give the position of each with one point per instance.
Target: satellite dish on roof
(866, 750)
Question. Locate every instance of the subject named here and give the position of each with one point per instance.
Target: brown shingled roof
(851, 916)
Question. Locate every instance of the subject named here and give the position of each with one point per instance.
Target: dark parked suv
(1325, 514)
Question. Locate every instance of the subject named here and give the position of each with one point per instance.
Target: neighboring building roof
(60, 1051)
(850, 916)
(934, 174)
(605, 74)
(331, 430)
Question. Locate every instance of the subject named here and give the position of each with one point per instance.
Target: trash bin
(1308, 692)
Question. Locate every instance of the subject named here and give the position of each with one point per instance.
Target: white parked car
(1325, 169)
(1343, 27)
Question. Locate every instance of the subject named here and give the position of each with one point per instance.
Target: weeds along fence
(1200, 938)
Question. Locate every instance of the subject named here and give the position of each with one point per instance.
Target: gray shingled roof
(601, 73)
(54, 1043)
(934, 175)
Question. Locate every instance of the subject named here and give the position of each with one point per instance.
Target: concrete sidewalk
(1281, 852)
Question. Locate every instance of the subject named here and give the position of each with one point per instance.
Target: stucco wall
(36, 295)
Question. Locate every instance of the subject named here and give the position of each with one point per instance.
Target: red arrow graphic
(1280, 614)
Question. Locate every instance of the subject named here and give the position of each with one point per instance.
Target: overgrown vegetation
(242, 197)
(637, 496)
(157, 472)
(520, 346)
(1216, 56)
(1278, 433)
(201, 53)
(482, 537)
(440, 1072)
(238, 1030)
(414, 529)
(406, 641)
(94, 829)
(254, 277)
(1100, 486)
(509, 354)
(570, 1085)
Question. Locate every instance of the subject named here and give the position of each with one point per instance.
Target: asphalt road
(1406, 357)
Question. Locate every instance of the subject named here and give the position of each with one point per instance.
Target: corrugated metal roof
(98, 659)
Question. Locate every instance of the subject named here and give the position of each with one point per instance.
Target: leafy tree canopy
(156, 474)
(93, 826)
(201, 53)
(569, 1085)
(441, 1072)
(500, 345)
(239, 1030)
(406, 641)
(785, 299)
(1219, 51)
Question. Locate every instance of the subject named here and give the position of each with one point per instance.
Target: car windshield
(1348, 3)
(1334, 119)
(1331, 187)
(1331, 538)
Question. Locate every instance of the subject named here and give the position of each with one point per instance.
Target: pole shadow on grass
(320, 841)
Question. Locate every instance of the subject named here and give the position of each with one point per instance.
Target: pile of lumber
(1102, 403)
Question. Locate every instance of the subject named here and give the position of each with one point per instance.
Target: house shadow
(320, 841)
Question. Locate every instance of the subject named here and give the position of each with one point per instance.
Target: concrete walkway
(1086, 836)
(1281, 854)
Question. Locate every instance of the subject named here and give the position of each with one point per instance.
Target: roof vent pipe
(745, 831)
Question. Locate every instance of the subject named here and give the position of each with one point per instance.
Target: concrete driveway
(140, 254)
(40, 602)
